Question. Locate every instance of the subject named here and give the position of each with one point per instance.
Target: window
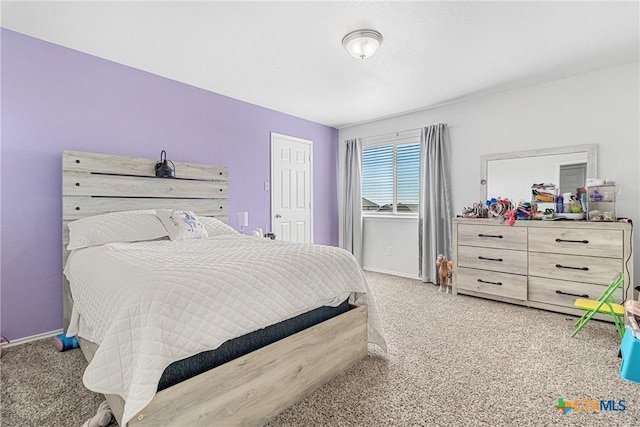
(390, 178)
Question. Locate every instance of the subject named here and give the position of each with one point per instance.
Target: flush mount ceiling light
(362, 44)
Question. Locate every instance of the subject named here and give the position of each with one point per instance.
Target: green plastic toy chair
(605, 304)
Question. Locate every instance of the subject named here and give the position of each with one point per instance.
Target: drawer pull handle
(490, 259)
(572, 268)
(572, 241)
(491, 283)
(495, 236)
(572, 295)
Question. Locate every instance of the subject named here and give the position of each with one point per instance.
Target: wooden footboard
(254, 388)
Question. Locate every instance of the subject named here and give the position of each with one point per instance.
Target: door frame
(310, 144)
(567, 165)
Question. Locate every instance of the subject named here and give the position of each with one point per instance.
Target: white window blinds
(390, 178)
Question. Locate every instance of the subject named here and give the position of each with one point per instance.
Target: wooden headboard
(95, 183)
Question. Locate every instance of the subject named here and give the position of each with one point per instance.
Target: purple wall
(56, 99)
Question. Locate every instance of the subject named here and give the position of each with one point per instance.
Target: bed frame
(249, 390)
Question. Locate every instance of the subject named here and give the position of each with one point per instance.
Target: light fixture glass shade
(362, 44)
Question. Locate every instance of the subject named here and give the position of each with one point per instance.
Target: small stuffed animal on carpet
(445, 272)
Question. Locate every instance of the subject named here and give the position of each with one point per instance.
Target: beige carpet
(453, 361)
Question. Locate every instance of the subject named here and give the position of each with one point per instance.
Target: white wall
(391, 245)
(600, 107)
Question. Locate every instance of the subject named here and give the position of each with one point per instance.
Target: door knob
(278, 216)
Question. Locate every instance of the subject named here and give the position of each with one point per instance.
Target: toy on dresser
(445, 272)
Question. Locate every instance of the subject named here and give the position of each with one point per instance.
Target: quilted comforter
(149, 304)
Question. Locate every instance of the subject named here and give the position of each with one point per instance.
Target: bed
(109, 279)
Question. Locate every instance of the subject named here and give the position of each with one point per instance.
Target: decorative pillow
(215, 227)
(182, 225)
(126, 226)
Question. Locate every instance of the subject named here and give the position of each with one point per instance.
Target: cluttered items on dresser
(593, 202)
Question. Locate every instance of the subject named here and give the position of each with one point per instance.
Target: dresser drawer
(595, 270)
(565, 260)
(576, 241)
(493, 236)
(502, 260)
(565, 293)
(489, 282)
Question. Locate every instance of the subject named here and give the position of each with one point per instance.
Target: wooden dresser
(542, 264)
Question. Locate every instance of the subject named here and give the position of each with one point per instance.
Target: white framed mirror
(511, 175)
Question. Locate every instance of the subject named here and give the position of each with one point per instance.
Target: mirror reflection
(511, 175)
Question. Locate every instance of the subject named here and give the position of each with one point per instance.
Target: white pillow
(182, 225)
(215, 227)
(127, 226)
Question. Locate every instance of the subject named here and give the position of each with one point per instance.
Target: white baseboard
(31, 338)
(392, 273)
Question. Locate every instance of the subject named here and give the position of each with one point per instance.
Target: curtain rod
(401, 132)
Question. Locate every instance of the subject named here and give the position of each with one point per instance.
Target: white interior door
(291, 188)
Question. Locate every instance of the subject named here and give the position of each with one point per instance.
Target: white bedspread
(148, 304)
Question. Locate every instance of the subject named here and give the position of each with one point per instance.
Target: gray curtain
(352, 199)
(434, 224)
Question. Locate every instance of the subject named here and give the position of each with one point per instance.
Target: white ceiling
(288, 56)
